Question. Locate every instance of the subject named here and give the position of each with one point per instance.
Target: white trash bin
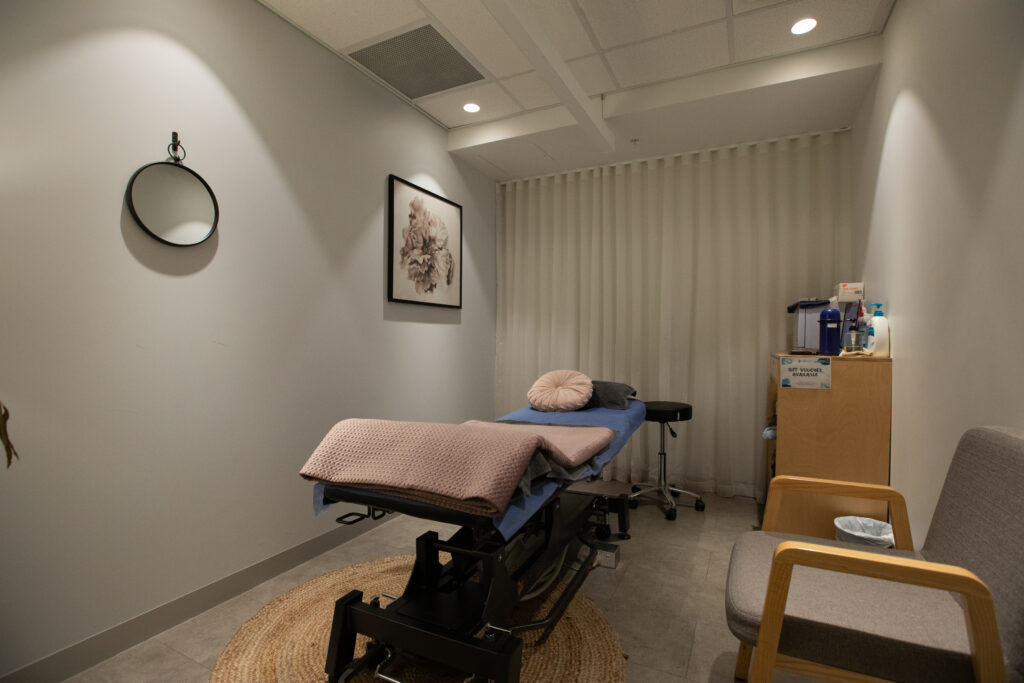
(865, 531)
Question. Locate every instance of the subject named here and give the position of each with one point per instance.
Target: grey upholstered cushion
(979, 524)
(876, 627)
(614, 395)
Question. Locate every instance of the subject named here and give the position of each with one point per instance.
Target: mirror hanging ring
(171, 202)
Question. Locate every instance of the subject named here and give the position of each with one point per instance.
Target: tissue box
(850, 291)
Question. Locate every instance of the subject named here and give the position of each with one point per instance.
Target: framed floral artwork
(424, 246)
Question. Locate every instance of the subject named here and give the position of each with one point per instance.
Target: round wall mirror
(173, 204)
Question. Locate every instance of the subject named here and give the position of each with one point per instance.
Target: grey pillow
(610, 395)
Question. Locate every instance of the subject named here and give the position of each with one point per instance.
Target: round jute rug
(286, 641)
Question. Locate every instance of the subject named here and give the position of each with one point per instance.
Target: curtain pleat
(672, 275)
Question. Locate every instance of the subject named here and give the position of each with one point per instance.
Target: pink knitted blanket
(472, 467)
(568, 446)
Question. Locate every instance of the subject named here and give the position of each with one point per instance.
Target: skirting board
(102, 646)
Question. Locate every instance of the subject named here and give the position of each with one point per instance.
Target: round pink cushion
(560, 391)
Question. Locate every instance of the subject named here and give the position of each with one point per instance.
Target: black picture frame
(424, 246)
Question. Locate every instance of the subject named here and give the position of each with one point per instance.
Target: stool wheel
(670, 514)
(699, 505)
(634, 489)
(675, 494)
(633, 503)
(603, 532)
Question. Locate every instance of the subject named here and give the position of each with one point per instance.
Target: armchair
(952, 611)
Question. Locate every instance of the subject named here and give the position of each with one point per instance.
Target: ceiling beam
(821, 61)
(832, 59)
(538, 48)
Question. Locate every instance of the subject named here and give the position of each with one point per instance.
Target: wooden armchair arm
(897, 505)
(986, 651)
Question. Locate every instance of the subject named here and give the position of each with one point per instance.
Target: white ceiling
(575, 83)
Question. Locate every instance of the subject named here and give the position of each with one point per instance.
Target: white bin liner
(865, 531)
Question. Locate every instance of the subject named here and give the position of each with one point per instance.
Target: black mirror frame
(138, 219)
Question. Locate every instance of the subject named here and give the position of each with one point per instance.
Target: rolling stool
(665, 412)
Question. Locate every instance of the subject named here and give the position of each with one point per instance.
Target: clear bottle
(864, 321)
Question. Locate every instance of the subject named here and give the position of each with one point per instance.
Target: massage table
(460, 613)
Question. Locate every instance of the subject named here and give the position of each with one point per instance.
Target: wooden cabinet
(842, 432)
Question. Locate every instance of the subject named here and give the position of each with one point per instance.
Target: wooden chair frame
(979, 612)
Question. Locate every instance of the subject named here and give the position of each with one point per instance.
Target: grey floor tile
(712, 642)
(718, 541)
(639, 673)
(148, 662)
(203, 637)
(657, 636)
(718, 568)
(665, 598)
(665, 565)
(281, 584)
(601, 584)
(719, 670)
(687, 529)
(735, 524)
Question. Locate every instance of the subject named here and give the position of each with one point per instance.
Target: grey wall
(164, 399)
(941, 210)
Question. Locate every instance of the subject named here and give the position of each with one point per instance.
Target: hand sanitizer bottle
(878, 335)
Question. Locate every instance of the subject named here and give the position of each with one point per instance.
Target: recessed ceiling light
(471, 108)
(804, 25)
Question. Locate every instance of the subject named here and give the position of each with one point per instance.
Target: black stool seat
(668, 411)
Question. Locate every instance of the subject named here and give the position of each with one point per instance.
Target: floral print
(425, 254)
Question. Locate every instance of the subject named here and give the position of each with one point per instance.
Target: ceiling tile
(676, 55)
(446, 107)
(652, 42)
(473, 26)
(741, 6)
(593, 75)
(530, 90)
(618, 22)
(342, 24)
(515, 158)
(766, 33)
(563, 26)
(570, 148)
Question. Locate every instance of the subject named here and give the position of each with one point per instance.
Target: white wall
(164, 399)
(941, 207)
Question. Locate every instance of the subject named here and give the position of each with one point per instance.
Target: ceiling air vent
(417, 63)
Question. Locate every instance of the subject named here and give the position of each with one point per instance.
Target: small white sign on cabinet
(811, 372)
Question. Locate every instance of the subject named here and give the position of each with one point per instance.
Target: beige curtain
(673, 275)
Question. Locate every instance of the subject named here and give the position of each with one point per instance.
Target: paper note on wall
(810, 372)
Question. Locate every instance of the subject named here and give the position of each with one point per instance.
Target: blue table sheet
(624, 422)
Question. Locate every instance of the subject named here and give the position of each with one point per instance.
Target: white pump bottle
(878, 335)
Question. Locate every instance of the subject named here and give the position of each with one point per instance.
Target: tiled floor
(665, 599)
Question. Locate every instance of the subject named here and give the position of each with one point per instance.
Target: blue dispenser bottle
(830, 326)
